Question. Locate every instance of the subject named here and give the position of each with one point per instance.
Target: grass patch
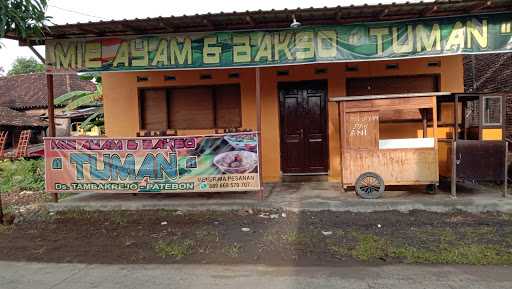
(65, 195)
(269, 236)
(473, 234)
(76, 214)
(505, 216)
(233, 250)
(177, 248)
(370, 247)
(119, 217)
(436, 234)
(442, 247)
(474, 254)
(293, 238)
(164, 213)
(206, 234)
(21, 175)
(339, 250)
(5, 229)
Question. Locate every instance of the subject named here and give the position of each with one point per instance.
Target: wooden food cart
(371, 160)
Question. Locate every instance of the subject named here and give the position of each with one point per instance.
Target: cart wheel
(369, 186)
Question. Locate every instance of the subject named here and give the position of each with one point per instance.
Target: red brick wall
(491, 73)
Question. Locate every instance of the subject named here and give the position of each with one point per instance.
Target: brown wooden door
(303, 112)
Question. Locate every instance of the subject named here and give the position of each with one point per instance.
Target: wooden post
(51, 107)
(434, 135)
(423, 112)
(51, 115)
(505, 182)
(258, 128)
(341, 121)
(453, 183)
(463, 127)
(455, 117)
(454, 147)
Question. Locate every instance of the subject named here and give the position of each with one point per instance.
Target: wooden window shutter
(392, 85)
(153, 109)
(228, 106)
(191, 108)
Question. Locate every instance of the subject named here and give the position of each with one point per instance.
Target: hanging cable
(76, 12)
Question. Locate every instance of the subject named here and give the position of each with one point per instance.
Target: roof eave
(270, 19)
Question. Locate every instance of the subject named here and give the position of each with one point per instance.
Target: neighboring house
(28, 93)
(13, 122)
(491, 74)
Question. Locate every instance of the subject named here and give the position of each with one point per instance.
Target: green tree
(24, 65)
(18, 19)
(21, 18)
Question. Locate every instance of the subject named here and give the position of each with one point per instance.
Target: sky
(72, 11)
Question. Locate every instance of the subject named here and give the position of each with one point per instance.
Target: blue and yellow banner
(214, 163)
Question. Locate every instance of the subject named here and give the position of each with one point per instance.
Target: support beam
(505, 181)
(208, 23)
(37, 54)
(424, 121)
(51, 107)
(339, 16)
(455, 117)
(463, 128)
(383, 13)
(429, 11)
(453, 183)
(341, 127)
(434, 135)
(481, 6)
(131, 28)
(454, 146)
(51, 115)
(258, 128)
(166, 25)
(249, 20)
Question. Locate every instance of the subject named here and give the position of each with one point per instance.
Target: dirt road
(76, 276)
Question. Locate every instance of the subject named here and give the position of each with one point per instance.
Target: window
(491, 110)
(227, 106)
(472, 113)
(191, 108)
(153, 112)
(392, 85)
(198, 107)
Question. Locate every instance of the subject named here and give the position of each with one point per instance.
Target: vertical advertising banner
(216, 163)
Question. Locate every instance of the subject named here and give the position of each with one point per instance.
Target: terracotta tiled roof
(10, 117)
(30, 91)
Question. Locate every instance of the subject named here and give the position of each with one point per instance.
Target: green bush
(21, 175)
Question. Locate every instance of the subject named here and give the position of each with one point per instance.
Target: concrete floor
(299, 196)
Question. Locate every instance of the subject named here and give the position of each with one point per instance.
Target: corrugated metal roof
(274, 19)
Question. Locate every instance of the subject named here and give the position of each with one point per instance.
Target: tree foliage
(22, 17)
(23, 65)
(75, 99)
